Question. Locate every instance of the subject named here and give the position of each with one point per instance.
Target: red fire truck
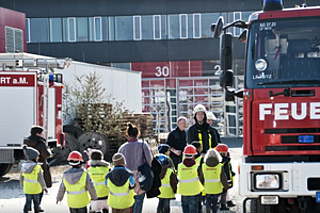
(30, 94)
(280, 169)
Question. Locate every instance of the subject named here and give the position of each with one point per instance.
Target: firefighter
(214, 179)
(31, 179)
(189, 185)
(168, 179)
(120, 181)
(78, 184)
(201, 131)
(210, 118)
(225, 200)
(98, 170)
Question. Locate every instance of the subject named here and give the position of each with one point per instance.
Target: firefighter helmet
(222, 148)
(75, 156)
(190, 150)
(211, 116)
(199, 108)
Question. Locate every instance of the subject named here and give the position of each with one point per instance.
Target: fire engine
(280, 168)
(30, 94)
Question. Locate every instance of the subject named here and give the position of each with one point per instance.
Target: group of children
(197, 177)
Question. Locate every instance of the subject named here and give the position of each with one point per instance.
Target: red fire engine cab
(280, 168)
(30, 94)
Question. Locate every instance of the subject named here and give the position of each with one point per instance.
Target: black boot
(224, 207)
(230, 203)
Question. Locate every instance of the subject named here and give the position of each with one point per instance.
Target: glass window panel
(105, 26)
(206, 20)
(28, 30)
(183, 23)
(173, 26)
(97, 28)
(196, 32)
(111, 29)
(72, 29)
(123, 28)
(157, 27)
(137, 27)
(147, 27)
(91, 29)
(164, 28)
(65, 29)
(39, 30)
(82, 29)
(55, 30)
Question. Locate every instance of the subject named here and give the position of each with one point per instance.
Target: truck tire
(257, 207)
(4, 169)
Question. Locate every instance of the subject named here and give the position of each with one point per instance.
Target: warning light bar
(269, 5)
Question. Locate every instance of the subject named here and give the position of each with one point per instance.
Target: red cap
(190, 150)
(75, 156)
(222, 148)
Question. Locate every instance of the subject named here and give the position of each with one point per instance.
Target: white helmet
(211, 116)
(199, 108)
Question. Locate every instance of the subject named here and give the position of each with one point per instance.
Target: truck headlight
(267, 181)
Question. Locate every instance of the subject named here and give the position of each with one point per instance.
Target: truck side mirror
(217, 28)
(226, 51)
(243, 36)
(226, 78)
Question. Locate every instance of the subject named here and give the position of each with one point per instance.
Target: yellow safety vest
(31, 184)
(212, 182)
(198, 159)
(189, 184)
(166, 190)
(98, 175)
(120, 197)
(77, 194)
(200, 139)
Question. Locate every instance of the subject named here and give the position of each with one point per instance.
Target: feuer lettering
(283, 111)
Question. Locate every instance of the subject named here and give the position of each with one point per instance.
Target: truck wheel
(4, 169)
(257, 207)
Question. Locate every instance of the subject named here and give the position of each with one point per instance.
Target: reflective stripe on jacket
(212, 182)
(31, 184)
(77, 194)
(189, 183)
(120, 197)
(98, 175)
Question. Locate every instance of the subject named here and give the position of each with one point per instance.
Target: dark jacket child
(120, 182)
(98, 171)
(189, 185)
(31, 179)
(214, 179)
(168, 179)
(78, 184)
(226, 161)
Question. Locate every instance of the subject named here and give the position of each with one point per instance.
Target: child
(78, 184)
(31, 179)
(120, 182)
(214, 179)
(223, 150)
(168, 179)
(98, 170)
(189, 185)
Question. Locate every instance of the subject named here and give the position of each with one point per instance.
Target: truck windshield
(283, 53)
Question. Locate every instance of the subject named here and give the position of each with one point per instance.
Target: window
(183, 26)
(236, 31)
(111, 29)
(173, 26)
(71, 29)
(97, 29)
(123, 28)
(82, 29)
(14, 39)
(39, 30)
(147, 27)
(156, 27)
(206, 20)
(28, 30)
(55, 30)
(196, 25)
(105, 28)
(137, 28)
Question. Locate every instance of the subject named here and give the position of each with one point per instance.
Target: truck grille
(313, 184)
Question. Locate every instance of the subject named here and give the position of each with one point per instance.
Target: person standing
(210, 118)
(36, 141)
(201, 131)
(135, 153)
(177, 140)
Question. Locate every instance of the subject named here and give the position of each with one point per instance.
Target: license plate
(318, 197)
(306, 138)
